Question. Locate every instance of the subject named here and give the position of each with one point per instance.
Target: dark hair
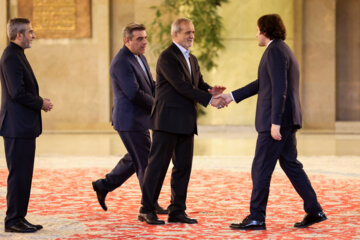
(130, 28)
(16, 25)
(272, 26)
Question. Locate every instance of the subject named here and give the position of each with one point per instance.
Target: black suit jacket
(133, 92)
(277, 87)
(20, 115)
(177, 93)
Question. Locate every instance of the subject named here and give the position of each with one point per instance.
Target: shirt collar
(183, 50)
(17, 47)
(269, 42)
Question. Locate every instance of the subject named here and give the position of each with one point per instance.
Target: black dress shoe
(181, 218)
(150, 218)
(20, 227)
(38, 227)
(160, 210)
(311, 219)
(249, 224)
(100, 193)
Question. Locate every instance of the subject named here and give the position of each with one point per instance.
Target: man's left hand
(216, 90)
(275, 132)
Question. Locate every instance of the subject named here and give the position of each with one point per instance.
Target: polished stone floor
(63, 201)
(211, 141)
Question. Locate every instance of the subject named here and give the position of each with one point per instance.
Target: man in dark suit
(278, 116)
(179, 87)
(20, 122)
(133, 88)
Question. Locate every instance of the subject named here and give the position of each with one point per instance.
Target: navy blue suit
(20, 124)
(133, 92)
(278, 103)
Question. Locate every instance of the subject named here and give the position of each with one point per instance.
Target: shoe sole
(305, 226)
(142, 219)
(37, 227)
(175, 221)
(96, 190)
(181, 222)
(250, 228)
(8, 230)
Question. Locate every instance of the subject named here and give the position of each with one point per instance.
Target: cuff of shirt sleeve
(232, 96)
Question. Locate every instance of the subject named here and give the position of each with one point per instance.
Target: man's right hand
(218, 102)
(227, 98)
(47, 105)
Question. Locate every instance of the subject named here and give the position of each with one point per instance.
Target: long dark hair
(272, 26)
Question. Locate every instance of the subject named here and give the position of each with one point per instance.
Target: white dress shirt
(186, 54)
(141, 63)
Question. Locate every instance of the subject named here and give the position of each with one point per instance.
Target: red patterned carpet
(64, 202)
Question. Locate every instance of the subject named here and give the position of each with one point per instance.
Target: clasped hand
(219, 99)
(47, 105)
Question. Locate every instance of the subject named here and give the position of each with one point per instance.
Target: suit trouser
(165, 146)
(20, 153)
(267, 152)
(137, 143)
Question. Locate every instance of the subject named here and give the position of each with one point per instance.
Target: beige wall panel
(318, 85)
(240, 16)
(145, 15)
(127, 11)
(73, 73)
(143, 12)
(3, 22)
(122, 13)
(348, 60)
(238, 63)
(237, 66)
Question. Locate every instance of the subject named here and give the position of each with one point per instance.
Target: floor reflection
(222, 141)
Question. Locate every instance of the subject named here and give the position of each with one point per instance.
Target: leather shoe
(20, 227)
(150, 218)
(249, 224)
(160, 210)
(100, 193)
(181, 218)
(38, 227)
(311, 219)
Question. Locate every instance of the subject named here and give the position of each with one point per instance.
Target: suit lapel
(264, 57)
(262, 61)
(144, 77)
(192, 64)
(148, 74)
(181, 58)
(140, 70)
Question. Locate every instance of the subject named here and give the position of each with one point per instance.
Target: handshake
(219, 99)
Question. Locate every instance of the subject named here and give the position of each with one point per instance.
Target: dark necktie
(143, 68)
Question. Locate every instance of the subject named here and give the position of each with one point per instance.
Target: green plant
(207, 22)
